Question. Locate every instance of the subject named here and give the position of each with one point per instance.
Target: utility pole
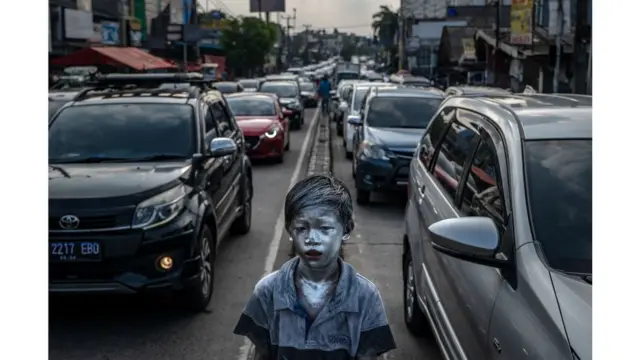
(560, 32)
(497, 35)
(580, 44)
(290, 18)
(260, 9)
(306, 43)
(401, 24)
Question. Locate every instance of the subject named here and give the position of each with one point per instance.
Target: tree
(385, 27)
(247, 41)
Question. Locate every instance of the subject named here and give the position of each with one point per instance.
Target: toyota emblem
(69, 222)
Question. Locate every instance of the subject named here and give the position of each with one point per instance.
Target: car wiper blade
(60, 170)
(160, 157)
(86, 160)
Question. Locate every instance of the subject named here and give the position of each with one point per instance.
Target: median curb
(320, 156)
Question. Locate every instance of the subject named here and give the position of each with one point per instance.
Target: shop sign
(110, 33)
(78, 24)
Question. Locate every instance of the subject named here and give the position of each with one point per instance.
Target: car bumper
(309, 102)
(129, 261)
(260, 147)
(382, 175)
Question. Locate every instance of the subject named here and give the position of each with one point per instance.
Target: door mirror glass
(343, 107)
(222, 147)
(475, 239)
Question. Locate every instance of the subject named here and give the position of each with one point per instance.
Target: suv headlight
(272, 132)
(373, 151)
(160, 209)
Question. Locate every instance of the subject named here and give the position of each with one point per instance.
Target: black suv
(145, 180)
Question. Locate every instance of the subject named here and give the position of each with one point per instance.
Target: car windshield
(560, 170)
(226, 88)
(359, 96)
(307, 87)
(402, 112)
(348, 76)
(252, 106)
(249, 83)
(282, 90)
(121, 132)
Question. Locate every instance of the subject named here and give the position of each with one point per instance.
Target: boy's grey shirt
(353, 323)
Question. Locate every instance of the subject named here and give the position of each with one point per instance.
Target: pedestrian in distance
(316, 306)
(324, 94)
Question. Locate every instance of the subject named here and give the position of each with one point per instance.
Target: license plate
(75, 251)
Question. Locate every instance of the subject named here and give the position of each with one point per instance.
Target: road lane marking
(245, 349)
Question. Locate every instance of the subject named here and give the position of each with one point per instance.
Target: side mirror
(343, 107)
(222, 147)
(354, 120)
(475, 239)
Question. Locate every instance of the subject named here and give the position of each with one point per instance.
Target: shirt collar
(344, 298)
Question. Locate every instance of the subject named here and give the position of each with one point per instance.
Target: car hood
(111, 180)
(251, 124)
(396, 138)
(574, 299)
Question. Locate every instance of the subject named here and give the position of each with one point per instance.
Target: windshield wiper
(161, 157)
(88, 159)
(60, 170)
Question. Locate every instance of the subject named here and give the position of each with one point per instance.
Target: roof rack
(122, 82)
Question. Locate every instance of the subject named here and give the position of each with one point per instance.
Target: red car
(264, 124)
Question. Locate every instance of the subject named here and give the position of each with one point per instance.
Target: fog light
(165, 262)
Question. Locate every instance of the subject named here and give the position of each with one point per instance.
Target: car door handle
(421, 190)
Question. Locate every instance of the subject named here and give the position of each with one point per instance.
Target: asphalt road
(142, 328)
(375, 249)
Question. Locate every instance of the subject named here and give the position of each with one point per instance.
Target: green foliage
(385, 25)
(247, 41)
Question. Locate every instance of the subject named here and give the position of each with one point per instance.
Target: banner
(267, 6)
(521, 21)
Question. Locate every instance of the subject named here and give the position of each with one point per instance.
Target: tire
(338, 128)
(348, 154)
(363, 197)
(280, 158)
(196, 298)
(286, 147)
(353, 169)
(242, 225)
(414, 318)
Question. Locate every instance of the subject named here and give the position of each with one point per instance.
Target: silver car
(497, 258)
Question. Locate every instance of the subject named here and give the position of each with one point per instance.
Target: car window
(248, 83)
(559, 185)
(483, 193)
(209, 123)
(252, 106)
(401, 112)
(432, 136)
(224, 123)
(123, 131)
(455, 149)
(54, 106)
(280, 89)
(358, 97)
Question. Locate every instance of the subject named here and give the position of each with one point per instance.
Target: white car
(352, 109)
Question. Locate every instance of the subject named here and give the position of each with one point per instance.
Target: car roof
(548, 116)
(232, 83)
(281, 82)
(479, 89)
(281, 77)
(409, 92)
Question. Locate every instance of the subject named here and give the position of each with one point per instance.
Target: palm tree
(385, 26)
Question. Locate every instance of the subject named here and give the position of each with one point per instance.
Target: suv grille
(87, 223)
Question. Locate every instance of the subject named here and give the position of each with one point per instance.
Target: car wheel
(414, 318)
(354, 167)
(280, 158)
(338, 128)
(363, 197)
(286, 147)
(242, 224)
(198, 296)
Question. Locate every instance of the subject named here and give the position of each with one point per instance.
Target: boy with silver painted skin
(317, 306)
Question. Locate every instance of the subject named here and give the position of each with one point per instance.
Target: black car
(394, 121)
(308, 94)
(288, 93)
(144, 184)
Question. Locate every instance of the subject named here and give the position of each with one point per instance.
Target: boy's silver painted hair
(320, 190)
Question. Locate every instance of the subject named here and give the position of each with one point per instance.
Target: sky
(346, 15)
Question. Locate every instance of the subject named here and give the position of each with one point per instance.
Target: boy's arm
(375, 337)
(254, 324)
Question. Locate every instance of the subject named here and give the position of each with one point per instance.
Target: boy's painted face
(317, 234)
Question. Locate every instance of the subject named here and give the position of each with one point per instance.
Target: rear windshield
(402, 112)
(307, 86)
(558, 179)
(249, 83)
(252, 106)
(226, 88)
(348, 76)
(283, 90)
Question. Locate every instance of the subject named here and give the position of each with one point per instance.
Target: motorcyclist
(324, 93)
